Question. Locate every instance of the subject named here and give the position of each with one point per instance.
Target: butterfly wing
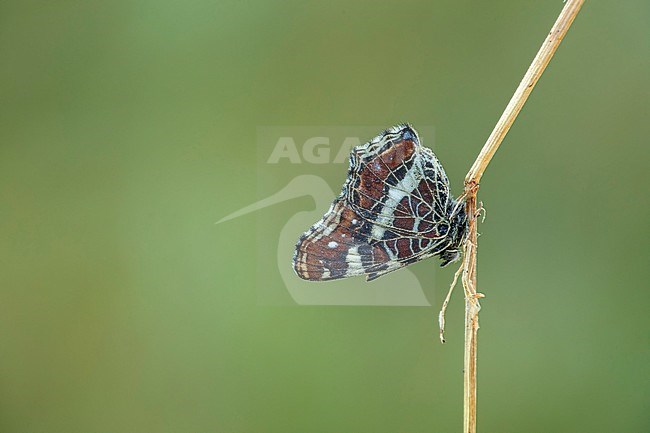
(393, 210)
(336, 247)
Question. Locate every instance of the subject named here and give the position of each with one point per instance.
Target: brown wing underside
(388, 215)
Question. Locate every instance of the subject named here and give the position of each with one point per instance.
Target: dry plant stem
(472, 306)
(543, 57)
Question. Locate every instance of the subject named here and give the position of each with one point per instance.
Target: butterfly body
(395, 208)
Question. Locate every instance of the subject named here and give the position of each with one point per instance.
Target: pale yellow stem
(472, 306)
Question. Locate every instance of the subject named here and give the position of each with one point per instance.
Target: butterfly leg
(480, 210)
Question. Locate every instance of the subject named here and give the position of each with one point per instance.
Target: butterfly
(395, 208)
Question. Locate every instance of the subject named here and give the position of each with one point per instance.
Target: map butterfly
(395, 209)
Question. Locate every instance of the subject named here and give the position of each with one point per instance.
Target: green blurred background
(127, 128)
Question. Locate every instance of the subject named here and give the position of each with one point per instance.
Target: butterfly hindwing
(337, 247)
